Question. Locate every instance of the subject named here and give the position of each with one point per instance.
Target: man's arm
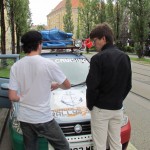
(13, 86)
(93, 82)
(13, 95)
(65, 85)
(129, 81)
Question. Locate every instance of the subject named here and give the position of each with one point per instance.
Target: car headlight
(78, 43)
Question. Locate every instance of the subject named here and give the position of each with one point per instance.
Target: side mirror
(4, 86)
(4, 100)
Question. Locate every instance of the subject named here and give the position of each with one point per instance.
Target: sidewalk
(135, 56)
(131, 147)
(90, 54)
(3, 119)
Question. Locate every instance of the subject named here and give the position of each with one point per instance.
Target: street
(137, 106)
(138, 110)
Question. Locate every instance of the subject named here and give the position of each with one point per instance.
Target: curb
(131, 147)
(144, 64)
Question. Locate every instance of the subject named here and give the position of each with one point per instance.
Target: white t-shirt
(32, 77)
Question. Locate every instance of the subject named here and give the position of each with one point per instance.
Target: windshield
(75, 69)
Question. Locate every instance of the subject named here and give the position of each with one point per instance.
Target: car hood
(70, 105)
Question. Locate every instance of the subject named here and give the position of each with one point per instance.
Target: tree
(85, 18)
(103, 11)
(110, 17)
(3, 30)
(78, 29)
(88, 16)
(139, 10)
(119, 10)
(99, 11)
(11, 9)
(114, 16)
(67, 19)
(124, 35)
(40, 27)
(20, 20)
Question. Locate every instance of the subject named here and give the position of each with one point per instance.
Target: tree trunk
(141, 29)
(3, 32)
(12, 30)
(118, 22)
(18, 42)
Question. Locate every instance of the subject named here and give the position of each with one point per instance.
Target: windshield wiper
(82, 83)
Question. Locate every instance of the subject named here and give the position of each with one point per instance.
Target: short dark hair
(101, 30)
(30, 41)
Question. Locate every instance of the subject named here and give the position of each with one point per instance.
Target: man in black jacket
(108, 83)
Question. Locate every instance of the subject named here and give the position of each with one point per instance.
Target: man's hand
(65, 85)
(54, 86)
(13, 96)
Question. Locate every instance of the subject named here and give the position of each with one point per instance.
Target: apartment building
(55, 17)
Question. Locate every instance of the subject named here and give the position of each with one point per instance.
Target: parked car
(68, 106)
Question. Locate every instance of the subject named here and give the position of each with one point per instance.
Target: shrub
(129, 49)
(138, 48)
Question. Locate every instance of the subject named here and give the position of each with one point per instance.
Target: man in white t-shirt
(30, 85)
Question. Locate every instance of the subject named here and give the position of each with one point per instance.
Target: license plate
(81, 146)
(77, 146)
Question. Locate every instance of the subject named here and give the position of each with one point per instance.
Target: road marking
(131, 147)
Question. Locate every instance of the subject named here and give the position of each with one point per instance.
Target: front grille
(68, 129)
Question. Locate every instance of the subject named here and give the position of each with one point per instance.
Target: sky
(40, 9)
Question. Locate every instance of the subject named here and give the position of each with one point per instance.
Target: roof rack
(68, 49)
(58, 48)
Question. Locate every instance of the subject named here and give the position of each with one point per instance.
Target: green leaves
(139, 19)
(67, 19)
(19, 17)
(90, 13)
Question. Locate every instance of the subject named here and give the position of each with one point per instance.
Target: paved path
(3, 116)
(141, 89)
(131, 147)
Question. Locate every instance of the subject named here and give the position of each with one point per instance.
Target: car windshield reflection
(76, 70)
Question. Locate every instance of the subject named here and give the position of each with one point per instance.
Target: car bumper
(17, 140)
(125, 135)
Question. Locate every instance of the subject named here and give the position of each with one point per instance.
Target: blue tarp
(56, 38)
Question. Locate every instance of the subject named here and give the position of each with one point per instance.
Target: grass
(141, 60)
(4, 72)
(5, 66)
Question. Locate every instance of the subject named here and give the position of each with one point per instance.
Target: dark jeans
(49, 130)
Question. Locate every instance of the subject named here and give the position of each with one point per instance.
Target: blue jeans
(49, 130)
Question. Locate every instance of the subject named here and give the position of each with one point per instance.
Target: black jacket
(109, 79)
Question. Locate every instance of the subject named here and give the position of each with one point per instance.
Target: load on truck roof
(56, 38)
